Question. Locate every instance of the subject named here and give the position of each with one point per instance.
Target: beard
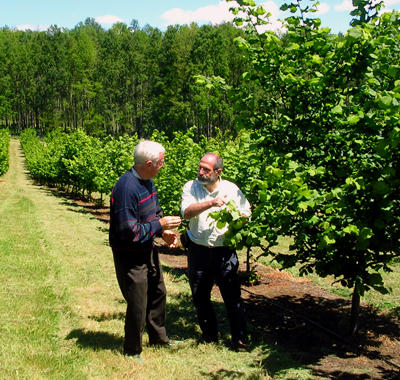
(204, 180)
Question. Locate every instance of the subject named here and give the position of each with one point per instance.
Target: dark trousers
(141, 281)
(220, 264)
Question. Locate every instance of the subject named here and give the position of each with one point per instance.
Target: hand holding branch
(170, 222)
(220, 201)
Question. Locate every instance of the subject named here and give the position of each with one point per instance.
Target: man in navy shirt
(135, 220)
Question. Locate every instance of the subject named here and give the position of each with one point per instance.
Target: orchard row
(4, 150)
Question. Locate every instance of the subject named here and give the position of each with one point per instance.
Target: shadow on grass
(95, 339)
(103, 317)
(77, 204)
(312, 329)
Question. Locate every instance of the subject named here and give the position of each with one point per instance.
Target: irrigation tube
(325, 329)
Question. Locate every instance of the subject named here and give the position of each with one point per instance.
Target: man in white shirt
(208, 258)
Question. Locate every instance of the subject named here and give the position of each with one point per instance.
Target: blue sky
(40, 14)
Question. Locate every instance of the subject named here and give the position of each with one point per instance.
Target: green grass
(62, 314)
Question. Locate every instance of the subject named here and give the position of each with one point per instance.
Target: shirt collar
(135, 173)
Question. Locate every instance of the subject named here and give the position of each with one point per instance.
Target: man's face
(206, 174)
(157, 165)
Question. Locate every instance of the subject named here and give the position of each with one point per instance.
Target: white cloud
(323, 8)
(108, 19)
(391, 2)
(35, 28)
(211, 13)
(216, 14)
(347, 5)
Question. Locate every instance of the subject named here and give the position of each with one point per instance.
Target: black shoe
(170, 344)
(240, 346)
(133, 356)
(136, 358)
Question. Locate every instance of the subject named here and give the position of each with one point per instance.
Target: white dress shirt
(202, 229)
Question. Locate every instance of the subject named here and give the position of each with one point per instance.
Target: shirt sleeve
(188, 196)
(129, 228)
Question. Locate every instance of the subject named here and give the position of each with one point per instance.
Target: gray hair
(147, 150)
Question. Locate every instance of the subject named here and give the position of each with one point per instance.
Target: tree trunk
(355, 311)
(248, 260)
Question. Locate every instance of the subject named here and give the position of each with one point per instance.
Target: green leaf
(362, 245)
(353, 119)
(235, 214)
(260, 11)
(221, 225)
(214, 214)
(366, 233)
(385, 101)
(238, 224)
(381, 188)
(246, 76)
(337, 109)
(231, 205)
(351, 229)
(304, 192)
(325, 225)
(393, 70)
(303, 205)
(354, 34)
(248, 2)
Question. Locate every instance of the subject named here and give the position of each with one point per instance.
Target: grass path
(61, 312)
(55, 268)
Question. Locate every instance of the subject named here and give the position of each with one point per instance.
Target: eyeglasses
(205, 171)
(158, 164)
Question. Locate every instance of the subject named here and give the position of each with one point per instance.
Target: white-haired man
(135, 220)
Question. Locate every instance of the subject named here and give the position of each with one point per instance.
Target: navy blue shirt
(134, 214)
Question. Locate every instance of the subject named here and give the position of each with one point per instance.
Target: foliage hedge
(4, 150)
(85, 164)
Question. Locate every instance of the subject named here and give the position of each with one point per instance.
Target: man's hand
(170, 222)
(220, 201)
(171, 238)
(197, 208)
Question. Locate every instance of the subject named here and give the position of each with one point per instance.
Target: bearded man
(208, 258)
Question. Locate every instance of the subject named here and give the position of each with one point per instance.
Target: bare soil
(306, 322)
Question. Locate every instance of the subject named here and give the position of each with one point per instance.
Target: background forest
(125, 79)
